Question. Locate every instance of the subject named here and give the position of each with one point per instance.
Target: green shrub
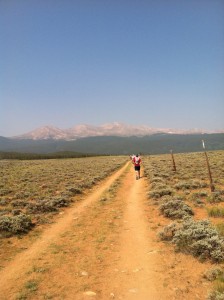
(168, 232)
(4, 212)
(215, 212)
(157, 180)
(198, 203)
(175, 209)
(190, 185)
(47, 205)
(75, 190)
(31, 285)
(197, 238)
(60, 202)
(216, 197)
(218, 292)
(160, 192)
(4, 201)
(182, 186)
(213, 273)
(16, 212)
(16, 224)
(220, 228)
(200, 239)
(163, 175)
(18, 203)
(197, 195)
(4, 191)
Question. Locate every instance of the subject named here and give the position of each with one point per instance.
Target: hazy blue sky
(157, 63)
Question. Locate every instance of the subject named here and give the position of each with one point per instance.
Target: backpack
(137, 160)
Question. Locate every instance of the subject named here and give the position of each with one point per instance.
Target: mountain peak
(108, 129)
(44, 133)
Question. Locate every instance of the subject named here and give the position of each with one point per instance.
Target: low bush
(202, 194)
(216, 197)
(168, 232)
(4, 201)
(41, 207)
(220, 228)
(175, 209)
(216, 212)
(47, 205)
(182, 186)
(157, 180)
(160, 192)
(16, 212)
(200, 239)
(198, 203)
(4, 191)
(190, 185)
(60, 202)
(75, 190)
(218, 292)
(18, 203)
(15, 224)
(4, 211)
(163, 175)
(213, 273)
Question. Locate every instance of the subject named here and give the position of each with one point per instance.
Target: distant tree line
(33, 156)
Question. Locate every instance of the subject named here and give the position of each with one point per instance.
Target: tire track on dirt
(12, 275)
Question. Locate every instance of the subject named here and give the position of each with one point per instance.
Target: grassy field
(31, 191)
(196, 213)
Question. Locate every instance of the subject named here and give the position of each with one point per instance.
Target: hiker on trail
(132, 157)
(137, 165)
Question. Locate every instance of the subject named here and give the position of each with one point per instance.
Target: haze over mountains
(110, 129)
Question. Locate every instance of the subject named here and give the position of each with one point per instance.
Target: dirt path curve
(20, 264)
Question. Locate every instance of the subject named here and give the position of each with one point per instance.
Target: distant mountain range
(110, 129)
(114, 138)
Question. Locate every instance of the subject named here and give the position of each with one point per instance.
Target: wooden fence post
(212, 187)
(174, 165)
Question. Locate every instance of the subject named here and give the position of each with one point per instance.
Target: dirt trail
(139, 252)
(105, 247)
(148, 269)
